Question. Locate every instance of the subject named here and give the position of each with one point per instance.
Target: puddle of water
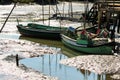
(49, 64)
(9, 36)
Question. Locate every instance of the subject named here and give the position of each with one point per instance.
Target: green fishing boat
(82, 43)
(41, 31)
(100, 40)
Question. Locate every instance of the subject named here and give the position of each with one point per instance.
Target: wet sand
(100, 64)
(25, 49)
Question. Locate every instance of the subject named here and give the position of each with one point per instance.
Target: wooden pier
(108, 11)
(106, 14)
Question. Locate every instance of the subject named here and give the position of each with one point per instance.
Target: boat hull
(101, 49)
(39, 33)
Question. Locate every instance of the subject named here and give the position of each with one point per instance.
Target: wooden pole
(43, 10)
(63, 9)
(85, 11)
(49, 13)
(69, 9)
(17, 21)
(118, 29)
(17, 60)
(8, 17)
(99, 16)
(56, 7)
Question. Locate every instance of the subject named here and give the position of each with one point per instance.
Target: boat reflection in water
(53, 43)
(49, 63)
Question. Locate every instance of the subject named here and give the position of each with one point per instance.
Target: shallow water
(9, 36)
(49, 65)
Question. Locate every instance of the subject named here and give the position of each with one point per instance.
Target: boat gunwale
(39, 30)
(85, 46)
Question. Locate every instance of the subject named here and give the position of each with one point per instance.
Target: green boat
(41, 31)
(80, 43)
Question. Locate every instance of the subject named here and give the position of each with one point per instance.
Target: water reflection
(53, 43)
(49, 65)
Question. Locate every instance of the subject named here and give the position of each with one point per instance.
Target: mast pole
(63, 9)
(85, 11)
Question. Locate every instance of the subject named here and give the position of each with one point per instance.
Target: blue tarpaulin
(71, 29)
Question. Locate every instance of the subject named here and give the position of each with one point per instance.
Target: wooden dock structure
(106, 13)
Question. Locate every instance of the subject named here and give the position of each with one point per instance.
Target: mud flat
(100, 64)
(9, 71)
(25, 49)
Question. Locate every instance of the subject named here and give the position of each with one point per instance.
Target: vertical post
(17, 21)
(56, 7)
(49, 13)
(118, 29)
(43, 10)
(113, 33)
(117, 48)
(63, 9)
(17, 60)
(69, 9)
(99, 16)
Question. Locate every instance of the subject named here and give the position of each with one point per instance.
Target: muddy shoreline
(100, 64)
(8, 67)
